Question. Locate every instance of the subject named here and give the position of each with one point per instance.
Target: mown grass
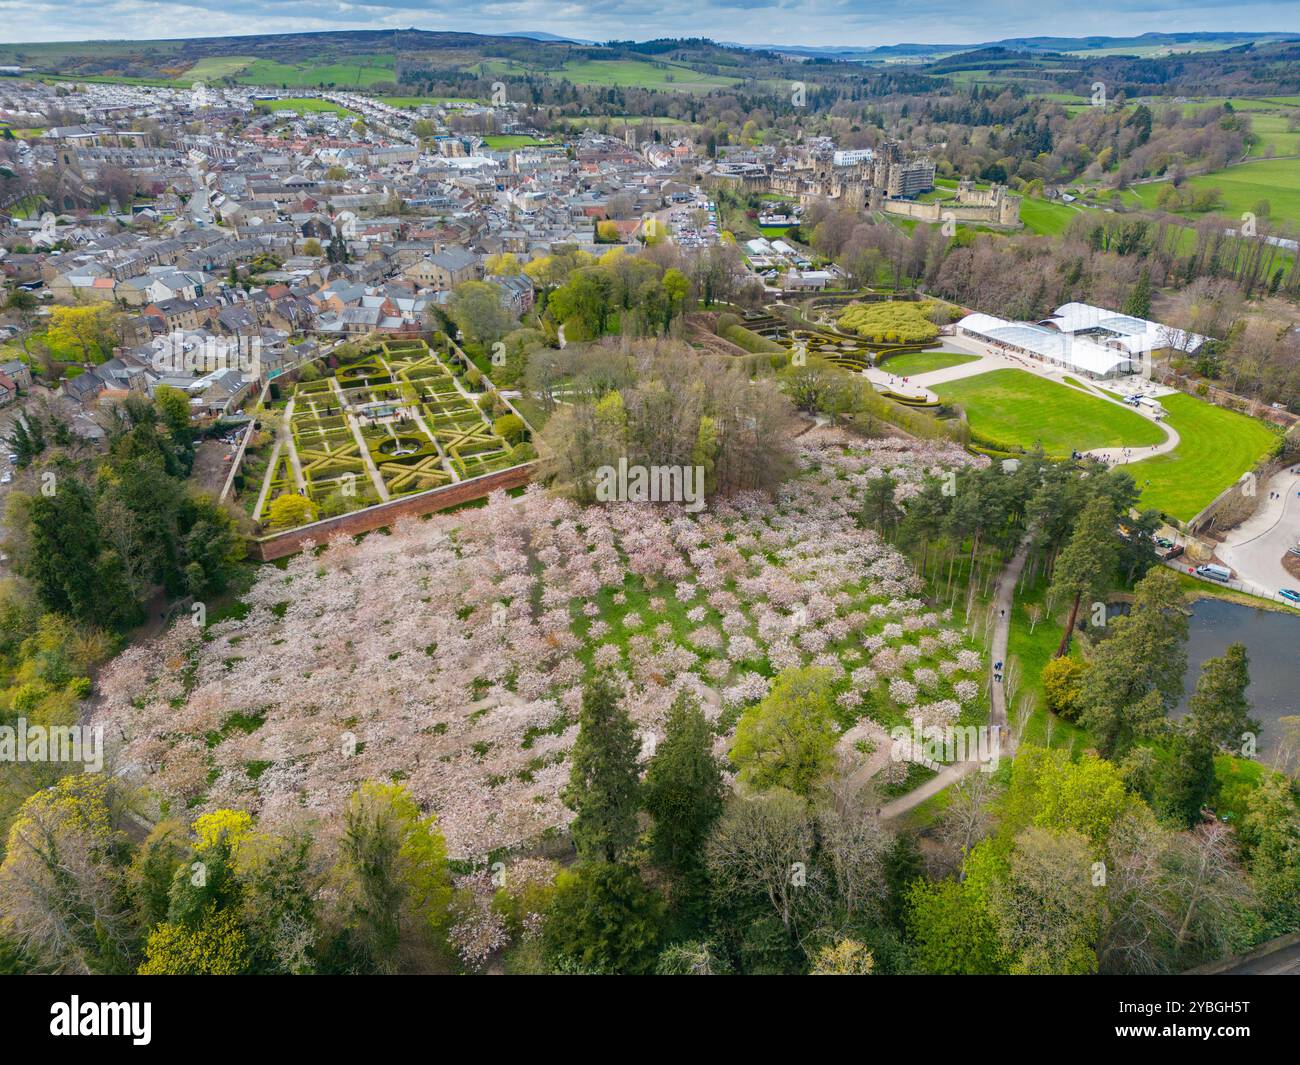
(504, 142)
(1217, 446)
(303, 105)
(1046, 216)
(1018, 408)
(919, 362)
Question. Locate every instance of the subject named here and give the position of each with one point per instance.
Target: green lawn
(1047, 216)
(303, 105)
(1274, 180)
(919, 362)
(504, 142)
(1217, 446)
(1014, 407)
(1031, 651)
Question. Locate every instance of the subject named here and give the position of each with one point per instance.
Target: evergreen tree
(602, 919)
(879, 511)
(1218, 709)
(683, 785)
(70, 572)
(1087, 562)
(1136, 673)
(26, 438)
(603, 788)
(1138, 303)
(1270, 832)
(1189, 783)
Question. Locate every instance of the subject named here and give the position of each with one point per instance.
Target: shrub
(510, 428)
(602, 919)
(290, 510)
(1063, 686)
(750, 341)
(895, 321)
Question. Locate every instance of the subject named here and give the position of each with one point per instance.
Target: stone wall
(995, 207)
(269, 548)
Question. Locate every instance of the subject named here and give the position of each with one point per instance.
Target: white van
(1214, 573)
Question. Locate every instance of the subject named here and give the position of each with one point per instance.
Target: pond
(1272, 640)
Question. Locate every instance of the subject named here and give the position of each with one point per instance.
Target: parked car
(1290, 596)
(1214, 572)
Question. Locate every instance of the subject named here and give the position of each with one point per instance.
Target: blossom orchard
(453, 652)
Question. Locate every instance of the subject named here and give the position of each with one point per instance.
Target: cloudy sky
(814, 22)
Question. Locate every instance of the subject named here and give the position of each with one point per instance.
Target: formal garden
(393, 418)
(451, 654)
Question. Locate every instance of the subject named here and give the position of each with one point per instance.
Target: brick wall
(288, 543)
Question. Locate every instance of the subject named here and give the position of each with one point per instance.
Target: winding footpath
(1003, 597)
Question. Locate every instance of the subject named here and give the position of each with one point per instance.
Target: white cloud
(818, 22)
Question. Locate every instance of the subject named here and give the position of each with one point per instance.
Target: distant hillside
(415, 62)
(368, 58)
(1143, 46)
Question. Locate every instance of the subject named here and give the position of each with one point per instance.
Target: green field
(303, 105)
(412, 102)
(1217, 447)
(358, 73)
(214, 68)
(672, 77)
(615, 121)
(1274, 132)
(1274, 180)
(504, 142)
(1270, 117)
(1047, 216)
(1017, 408)
(917, 362)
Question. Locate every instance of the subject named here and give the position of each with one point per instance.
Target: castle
(879, 180)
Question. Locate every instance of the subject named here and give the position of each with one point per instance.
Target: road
(1256, 547)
